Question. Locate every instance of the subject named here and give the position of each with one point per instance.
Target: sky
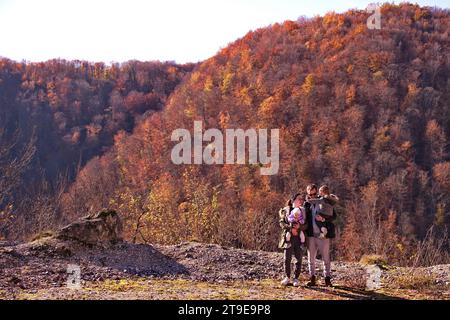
(165, 30)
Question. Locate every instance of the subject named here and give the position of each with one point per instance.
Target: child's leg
(320, 224)
(323, 228)
(287, 261)
(302, 237)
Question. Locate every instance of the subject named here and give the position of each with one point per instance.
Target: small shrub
(369, 259)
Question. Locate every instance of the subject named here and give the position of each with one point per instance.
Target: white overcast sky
(118, 30)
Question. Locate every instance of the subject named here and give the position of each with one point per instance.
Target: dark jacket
(309, 221)
(286, 226)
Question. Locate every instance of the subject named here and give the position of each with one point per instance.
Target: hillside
(57, 115)
(363, 111)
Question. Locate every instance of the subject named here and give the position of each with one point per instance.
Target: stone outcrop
(101, 229)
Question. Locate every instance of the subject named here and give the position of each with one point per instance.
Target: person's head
(324, 190)
(297, 200)
(311, 189)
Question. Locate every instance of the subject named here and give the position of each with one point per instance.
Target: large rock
(102, 228)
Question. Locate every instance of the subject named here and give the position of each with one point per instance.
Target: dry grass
(267, 289)
(374, 259)
(432, 250)
(415, 279)
(42, 235)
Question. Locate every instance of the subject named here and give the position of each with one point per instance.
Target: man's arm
(315, 200)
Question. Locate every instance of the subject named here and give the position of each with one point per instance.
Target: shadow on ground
(136, 259)
(353, 293)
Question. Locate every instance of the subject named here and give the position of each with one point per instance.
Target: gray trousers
(323, 246)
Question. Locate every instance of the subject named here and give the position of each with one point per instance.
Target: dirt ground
(39, 270)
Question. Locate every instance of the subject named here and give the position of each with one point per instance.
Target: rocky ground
(38, 270)
(118, 270)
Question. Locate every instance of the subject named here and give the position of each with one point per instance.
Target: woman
(290, 239)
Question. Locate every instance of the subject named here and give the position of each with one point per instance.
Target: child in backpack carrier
(325, 206)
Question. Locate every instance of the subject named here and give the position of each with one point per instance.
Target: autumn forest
(366, 112)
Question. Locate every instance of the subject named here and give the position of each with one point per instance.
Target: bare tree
(13, 163)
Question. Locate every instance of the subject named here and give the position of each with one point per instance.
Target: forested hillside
(55, 116)
(364, 111)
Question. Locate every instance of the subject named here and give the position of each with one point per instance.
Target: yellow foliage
(378, 75)
(195, 76)
(245, 97)
(224, 119)
(189, 112)
(162, 223)
(412, 89)
(227, 78)
(350, 95)
(266, 107)
(208, 84)
(382, 138)
(350, 69)
(329, 18)
(370, 259)
(308, 84)
(201, 210)
(361, 28)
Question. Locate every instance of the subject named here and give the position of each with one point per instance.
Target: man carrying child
(320, 214)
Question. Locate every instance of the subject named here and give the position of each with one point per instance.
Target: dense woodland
(57, 115)
(366, 112)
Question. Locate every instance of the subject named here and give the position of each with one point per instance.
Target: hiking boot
(285, 281)
(312, 282)
(296, 283)
(328, 282)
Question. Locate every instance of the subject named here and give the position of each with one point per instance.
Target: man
(314, 241)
